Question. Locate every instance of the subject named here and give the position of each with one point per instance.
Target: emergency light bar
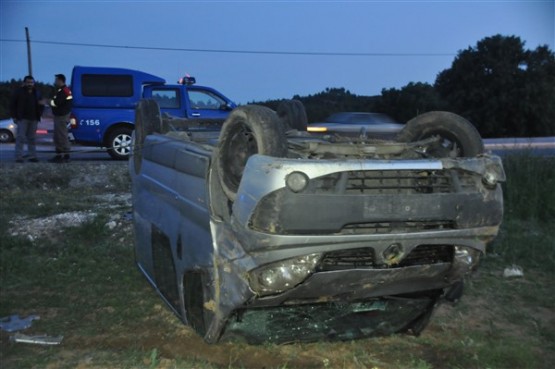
(187, 80)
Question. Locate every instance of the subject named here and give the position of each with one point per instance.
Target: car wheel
(6, 136)
(119, 143)
(248, 130)
(458, 137)
(147, 121)
(293, 114)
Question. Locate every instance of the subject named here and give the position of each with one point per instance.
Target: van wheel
(147, 121)
(458, 137)
(248, 130)
(293, 114)
(119, 143)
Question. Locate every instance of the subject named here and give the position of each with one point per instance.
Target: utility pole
(29, 63)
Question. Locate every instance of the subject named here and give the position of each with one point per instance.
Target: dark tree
(502, 88)
(409, 101)
(331, 100)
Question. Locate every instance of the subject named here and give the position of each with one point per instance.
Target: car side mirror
(226, 107)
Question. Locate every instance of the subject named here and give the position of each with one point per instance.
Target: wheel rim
(241, 145)
(4, 137)
(122, 144)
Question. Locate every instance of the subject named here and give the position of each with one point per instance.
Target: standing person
(61, 107)
(25, 110)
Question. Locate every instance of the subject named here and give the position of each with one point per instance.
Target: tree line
(504, 89)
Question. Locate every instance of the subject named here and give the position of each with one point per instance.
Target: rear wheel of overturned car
(248, 130)
(458, 137)
(147, 121)
(293, 114)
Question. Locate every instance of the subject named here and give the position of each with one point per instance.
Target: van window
(111, 85)
(166, 99)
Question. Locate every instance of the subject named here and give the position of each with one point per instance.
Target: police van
(104, 101)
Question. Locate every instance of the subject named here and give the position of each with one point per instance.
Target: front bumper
(419, 214)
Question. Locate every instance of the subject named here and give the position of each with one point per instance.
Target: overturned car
(257, 230)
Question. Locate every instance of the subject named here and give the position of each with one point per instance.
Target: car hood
(5, 123)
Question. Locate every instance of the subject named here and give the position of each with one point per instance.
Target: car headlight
(464, 261)
(490, 179)
(317, 129)
(282, 275)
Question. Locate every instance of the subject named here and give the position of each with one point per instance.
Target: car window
(362, 118)
(205, 100)
(167, 99)
(337, 118)
(359, 118)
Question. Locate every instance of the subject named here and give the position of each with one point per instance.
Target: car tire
(248, 130)
(119, 143)
(293, 114)
(459, 138)
(147, 121)
(6, 136)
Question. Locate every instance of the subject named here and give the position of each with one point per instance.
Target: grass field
(76, 270)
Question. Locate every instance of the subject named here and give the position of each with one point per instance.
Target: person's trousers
(61, 142)
(26, 132)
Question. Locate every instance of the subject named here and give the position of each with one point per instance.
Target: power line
(224, 51)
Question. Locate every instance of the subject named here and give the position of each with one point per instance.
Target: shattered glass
(335, 321)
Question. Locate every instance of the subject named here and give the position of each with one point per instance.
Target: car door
(168, 98)
(207, 104)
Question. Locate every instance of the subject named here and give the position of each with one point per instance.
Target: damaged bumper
(364, 237)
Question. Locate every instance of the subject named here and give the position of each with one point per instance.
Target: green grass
(528, 191)
(526, 236)
(83, 283)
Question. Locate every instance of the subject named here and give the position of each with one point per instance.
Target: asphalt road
(538, 146)
(543, 146)
(45, 151)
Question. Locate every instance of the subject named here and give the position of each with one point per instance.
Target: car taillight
(73, 121)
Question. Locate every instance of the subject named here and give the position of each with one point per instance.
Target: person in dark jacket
(26, 110)
(61, 107)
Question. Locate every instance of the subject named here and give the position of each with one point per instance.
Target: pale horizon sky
(437, 29)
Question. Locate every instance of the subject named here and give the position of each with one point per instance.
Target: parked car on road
(376, 125)
(8, 129)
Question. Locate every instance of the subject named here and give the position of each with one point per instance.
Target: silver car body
(8, 130)
(366, 235)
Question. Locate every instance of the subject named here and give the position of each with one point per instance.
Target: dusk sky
(416, 40)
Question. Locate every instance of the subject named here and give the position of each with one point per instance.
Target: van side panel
(98, 87)
(103, 97)
(171, 215)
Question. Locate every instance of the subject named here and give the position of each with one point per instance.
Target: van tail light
(72, 121)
